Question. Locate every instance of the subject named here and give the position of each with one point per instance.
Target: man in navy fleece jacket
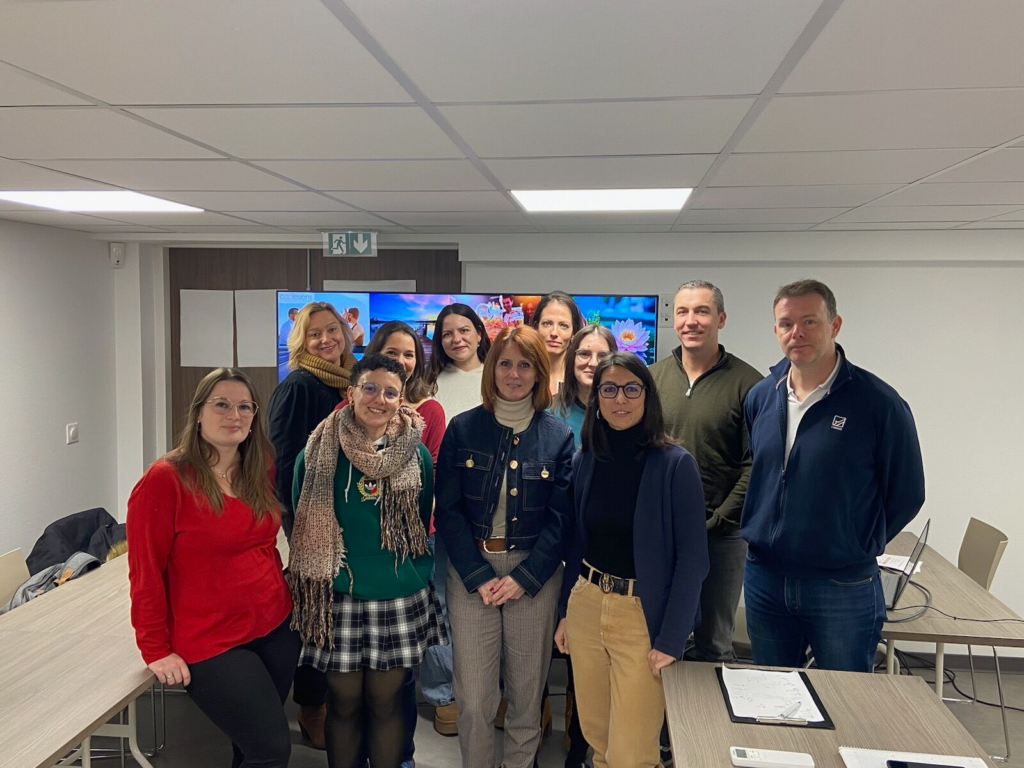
(836, 474)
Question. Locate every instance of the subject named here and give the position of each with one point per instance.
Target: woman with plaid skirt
(359, 569)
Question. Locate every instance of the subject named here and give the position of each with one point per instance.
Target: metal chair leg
(1002, 710)
(974, 686)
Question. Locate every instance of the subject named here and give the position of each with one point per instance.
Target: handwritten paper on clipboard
(762, 693)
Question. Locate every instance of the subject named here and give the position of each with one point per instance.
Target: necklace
(224, 474)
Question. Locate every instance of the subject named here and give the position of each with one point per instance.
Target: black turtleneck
(611, 504)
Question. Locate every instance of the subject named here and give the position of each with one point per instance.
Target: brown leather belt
(608, 583)
(494, 546)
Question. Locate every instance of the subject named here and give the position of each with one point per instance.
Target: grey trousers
(522, 631)
(719, 596)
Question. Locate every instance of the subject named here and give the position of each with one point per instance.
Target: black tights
(365, 700)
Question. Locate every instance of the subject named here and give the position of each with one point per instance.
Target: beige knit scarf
(318, 551)
(330, 374)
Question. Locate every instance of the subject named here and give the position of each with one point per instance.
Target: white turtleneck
(517, 416)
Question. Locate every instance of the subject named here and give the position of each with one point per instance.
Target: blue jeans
(436, 668)
(840, 620)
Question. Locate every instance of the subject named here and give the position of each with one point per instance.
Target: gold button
(544, 473)
(513, 492)
(513, 464)
(469, 462)
(514, 519)
(515, 441)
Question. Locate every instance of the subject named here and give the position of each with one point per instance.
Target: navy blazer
(476, 454)
(670, 543)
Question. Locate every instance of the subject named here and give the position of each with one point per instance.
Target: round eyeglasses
(371, 390)
(608, 390)
(586, 355)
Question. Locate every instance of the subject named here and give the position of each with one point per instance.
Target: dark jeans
(242, 691)
(719, 596)
(840, 620)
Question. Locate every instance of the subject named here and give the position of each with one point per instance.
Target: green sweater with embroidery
(376, 573)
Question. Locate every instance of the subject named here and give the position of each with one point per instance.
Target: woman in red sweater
(210, 605)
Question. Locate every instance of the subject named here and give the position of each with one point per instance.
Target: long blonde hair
(297, 337)
(193, 454)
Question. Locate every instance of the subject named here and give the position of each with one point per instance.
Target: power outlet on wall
(665, 303)
(72, 432)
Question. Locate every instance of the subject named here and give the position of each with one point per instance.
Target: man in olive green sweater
(702, 388)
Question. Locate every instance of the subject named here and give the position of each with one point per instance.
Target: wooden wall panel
(230, 269)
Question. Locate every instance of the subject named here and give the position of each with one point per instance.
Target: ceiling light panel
(580, 200)
(95, 201)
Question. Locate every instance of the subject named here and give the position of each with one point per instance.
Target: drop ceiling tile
(310, 133)
(741, 227)
(897, 120)
(816, 196)
(120, 229)
(878, 226)
(881, 213)
(19, 90)
(216, 229)
(476, 229)
(323, 220)
(158, 175)
(913, 44)
(430, 201)
(759, 215)
(396, 175)
(22, 176)
(537, 49)
(85, 132)
(170, 220)
(256, 201)
(976, 193)
(1004, 165)
(872, 167)
(609, 128)
(418, 219)
(1012, 216)
(602, 172)
(195, 51)
(994, 225)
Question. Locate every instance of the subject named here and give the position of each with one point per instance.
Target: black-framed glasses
(609, 391)
(371, 391)
(586, 355)
(222, 407)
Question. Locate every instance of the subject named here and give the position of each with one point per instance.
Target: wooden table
(869, 711)
(956, 593)
(68, 663)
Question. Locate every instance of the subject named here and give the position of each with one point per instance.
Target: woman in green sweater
(359, 569)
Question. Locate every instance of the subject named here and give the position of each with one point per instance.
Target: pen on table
(790, 711)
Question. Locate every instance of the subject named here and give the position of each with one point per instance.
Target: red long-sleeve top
(201, 583)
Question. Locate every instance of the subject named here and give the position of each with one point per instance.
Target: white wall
(56, 291)
(937, 315)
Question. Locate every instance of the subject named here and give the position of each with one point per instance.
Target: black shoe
(666, 755)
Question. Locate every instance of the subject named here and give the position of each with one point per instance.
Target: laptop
(894, 582)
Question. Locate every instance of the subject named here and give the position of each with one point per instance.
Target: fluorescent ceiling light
(586, 200)
(106, 201)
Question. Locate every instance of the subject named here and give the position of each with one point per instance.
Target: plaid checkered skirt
(380, 634)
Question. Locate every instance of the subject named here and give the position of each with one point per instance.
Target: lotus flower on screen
(631, 336)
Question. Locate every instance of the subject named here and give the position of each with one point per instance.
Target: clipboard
(825, 724)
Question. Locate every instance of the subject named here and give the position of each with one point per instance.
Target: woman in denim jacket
(503, 505)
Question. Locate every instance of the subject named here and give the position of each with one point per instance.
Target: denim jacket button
(515, 441)
(513, 464)
(513, 492)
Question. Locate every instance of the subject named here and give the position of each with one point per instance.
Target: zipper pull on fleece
(688, 391)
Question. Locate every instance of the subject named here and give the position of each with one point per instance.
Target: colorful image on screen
(633, 320)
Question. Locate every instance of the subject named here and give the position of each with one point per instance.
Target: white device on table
(769, 758)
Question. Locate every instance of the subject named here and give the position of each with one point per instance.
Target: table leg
(940, 667)
(890, 657)
(133, 737)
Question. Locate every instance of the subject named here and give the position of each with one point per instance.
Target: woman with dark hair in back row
(634, 566)
(557, 319)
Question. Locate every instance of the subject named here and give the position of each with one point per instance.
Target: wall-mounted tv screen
(632, 319)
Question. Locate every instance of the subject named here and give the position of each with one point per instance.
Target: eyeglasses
(222, 407)
(586, 355)
(631, 390)
(370, 391)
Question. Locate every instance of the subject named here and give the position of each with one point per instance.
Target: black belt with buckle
(610, 584)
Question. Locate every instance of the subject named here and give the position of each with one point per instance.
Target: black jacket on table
(475, 455)
(670, 543)
(297, 406)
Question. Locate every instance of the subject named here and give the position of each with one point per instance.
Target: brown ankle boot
(569, 704)
(311, 724)
(545, 719)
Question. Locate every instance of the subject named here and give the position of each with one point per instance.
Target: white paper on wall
(207, 329)
(395, 286)
(255, 321)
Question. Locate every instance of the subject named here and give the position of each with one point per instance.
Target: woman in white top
(557, 319)
(459, 347)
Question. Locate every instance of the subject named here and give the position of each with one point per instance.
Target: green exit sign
(349, 243)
